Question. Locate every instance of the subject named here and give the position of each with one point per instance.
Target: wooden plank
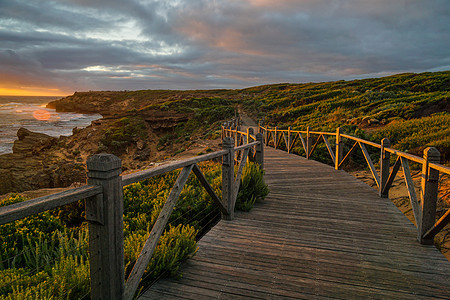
(28, 208)
(392, 175)
(370, 163)
(361, 141)
(285, 140)
(315, 145)
(156, 232)
(312, 238)
(246, 146)
(145, 174)
(348, 153)
(303, 141)
(293, 141)
(275, 138)
(237, 181)
(440, 168)
(330, 150)
(411, 191)
(209, 189)
(106, 232)
(440, 224)
(405, 155)
(279, 138)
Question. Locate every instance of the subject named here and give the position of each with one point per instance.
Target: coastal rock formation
(30, 143)
(34, 165)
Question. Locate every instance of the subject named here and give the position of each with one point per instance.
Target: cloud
(139, 44)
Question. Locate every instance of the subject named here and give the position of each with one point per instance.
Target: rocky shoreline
(33, 165)
(135, 129)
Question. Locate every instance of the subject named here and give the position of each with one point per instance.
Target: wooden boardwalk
(319, 234)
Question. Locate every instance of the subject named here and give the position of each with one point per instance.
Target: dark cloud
(180, 44)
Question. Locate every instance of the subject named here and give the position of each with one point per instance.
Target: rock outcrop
(34, 165)
(32, 143)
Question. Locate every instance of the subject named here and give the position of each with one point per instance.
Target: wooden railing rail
(244, 138)
(104, 209)
(28, 208)
(423, 205)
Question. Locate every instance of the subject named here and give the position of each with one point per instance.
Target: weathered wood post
(105, 217)
(250, 131)
(430, 180)
(249, 140)
(238, 136)
(260, 150)
(308, 142)
(384, 167)
(289, 139)
(228, 178)
(266, 136)
(275, 137)
(222, 134)
(339, 148)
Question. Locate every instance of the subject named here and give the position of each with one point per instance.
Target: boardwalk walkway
(319, 234)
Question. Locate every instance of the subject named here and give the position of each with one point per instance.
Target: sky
(62, 46)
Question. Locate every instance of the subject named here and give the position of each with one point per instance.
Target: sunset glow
(41, 115)
(32, 92)
(214, 44)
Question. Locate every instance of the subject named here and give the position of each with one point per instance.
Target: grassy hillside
(412, 110)
(373, 108)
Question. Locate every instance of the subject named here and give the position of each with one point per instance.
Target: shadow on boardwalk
(320, 233)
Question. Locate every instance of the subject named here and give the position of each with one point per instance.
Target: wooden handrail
(361, 140)
(104, 208)
(28, 208)
(424, 210)
(145, 174)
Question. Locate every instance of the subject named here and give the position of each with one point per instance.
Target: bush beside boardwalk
(44, 256)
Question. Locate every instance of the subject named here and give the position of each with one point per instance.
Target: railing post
(384, 167)
(260, 150)
(249, 140)
(430, 180)
(266, 136)
(249, 132)
(105, 217)
(289, 139)
(275, 137)
(339, 148)
(228, 178)
(308, 142)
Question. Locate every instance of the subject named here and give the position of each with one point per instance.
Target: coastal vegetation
(412, 110)
(46, 256)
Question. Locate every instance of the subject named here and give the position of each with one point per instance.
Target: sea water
(31, 113)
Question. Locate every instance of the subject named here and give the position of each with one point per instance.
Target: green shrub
(122, 133)
(252, 189)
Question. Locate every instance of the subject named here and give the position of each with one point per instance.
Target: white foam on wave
(15, 114)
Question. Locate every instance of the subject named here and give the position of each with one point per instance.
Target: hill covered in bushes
(143, 127)
(412, 110)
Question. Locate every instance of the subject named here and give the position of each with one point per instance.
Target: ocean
(31, 113)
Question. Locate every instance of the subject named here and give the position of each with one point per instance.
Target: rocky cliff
(33, 165)
(140, 127)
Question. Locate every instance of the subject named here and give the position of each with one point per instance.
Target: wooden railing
(104, 210)
(423, 206)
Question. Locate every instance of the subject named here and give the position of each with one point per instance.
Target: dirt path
(246, 120)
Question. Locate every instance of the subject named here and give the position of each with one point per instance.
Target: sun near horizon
(34, 92)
